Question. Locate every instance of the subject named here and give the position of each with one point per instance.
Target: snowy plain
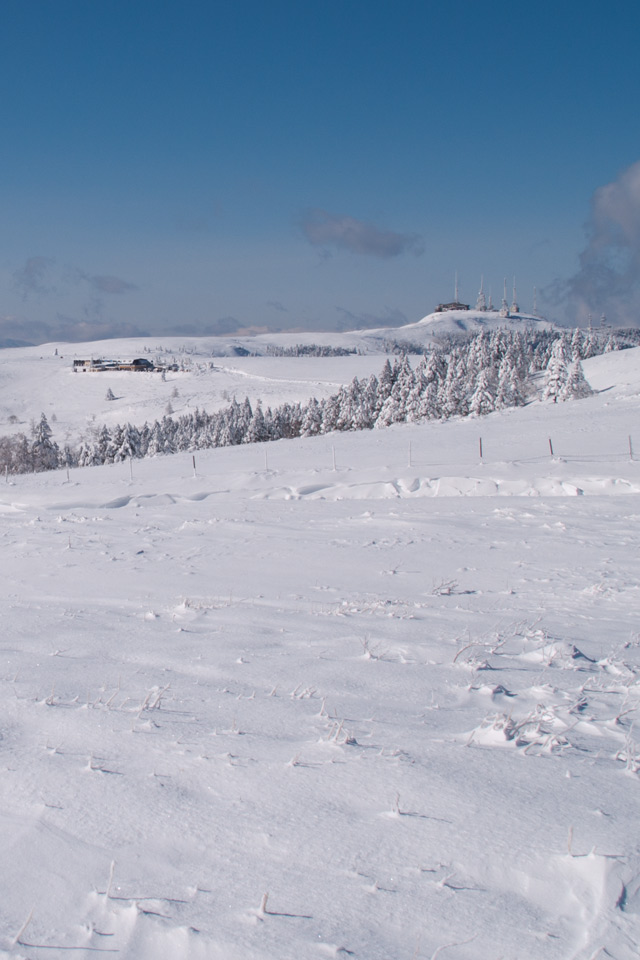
(359, 695)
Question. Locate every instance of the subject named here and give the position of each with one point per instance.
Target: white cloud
(323, 229)
(609, 276)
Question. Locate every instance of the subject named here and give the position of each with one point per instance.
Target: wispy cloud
(107, 284)
(323, 229)
(363, 321)
(277, 306)
(100, 288)
(40, 277)
(33, 277)
(224, 325)
(17, 330)
(608, 280)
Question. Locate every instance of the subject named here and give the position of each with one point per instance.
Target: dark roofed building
(455, 305)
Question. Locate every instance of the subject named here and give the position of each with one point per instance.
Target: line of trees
(308, 350)
(485, 373)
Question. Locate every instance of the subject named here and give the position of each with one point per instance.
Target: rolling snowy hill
(456, 322)
(361, 695)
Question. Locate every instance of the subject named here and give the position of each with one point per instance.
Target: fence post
(550, 447)
(630, 449)
(480, 444)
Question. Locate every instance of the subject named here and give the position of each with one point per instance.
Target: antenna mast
(504, 307)
(514, 306)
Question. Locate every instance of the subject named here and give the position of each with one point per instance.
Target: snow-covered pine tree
(576, 386)
(369, 402)
(557, 372)
(452, 398)
(394, 408)
(126, 443)
(330, 413)
(45, 454)
(169, 432)
(386, 381)
(245, 418)
(577, 344)
(256, 431)
(510, 389)
(429, 404)
(349, 406)
(311, 419)
(413, 405)
(478, 356)
(156, 441)
(21, 455)
(293, 419)
(483, 400)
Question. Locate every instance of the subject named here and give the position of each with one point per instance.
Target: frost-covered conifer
(156, 443)
(590, 346)
(312, 419)
(478, 356)
(394, 408)
(256, 431)
(385, 383)
(577, 344)
(348, 404)
(482, 401)
(45, 454)
(429, 404)
(126, 443)
(452, 398)
(557, 372)
(330, 413)
(576, 386)
(510, 390)
(369, 402)
(20, 455)
(413, 404)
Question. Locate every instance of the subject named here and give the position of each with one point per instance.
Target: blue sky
(208, 166)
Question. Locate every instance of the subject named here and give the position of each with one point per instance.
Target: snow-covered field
(359, 695)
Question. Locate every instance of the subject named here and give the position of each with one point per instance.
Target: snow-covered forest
(483, 373)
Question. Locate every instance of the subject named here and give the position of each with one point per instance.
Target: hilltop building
(455, 303)
(484, 304)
